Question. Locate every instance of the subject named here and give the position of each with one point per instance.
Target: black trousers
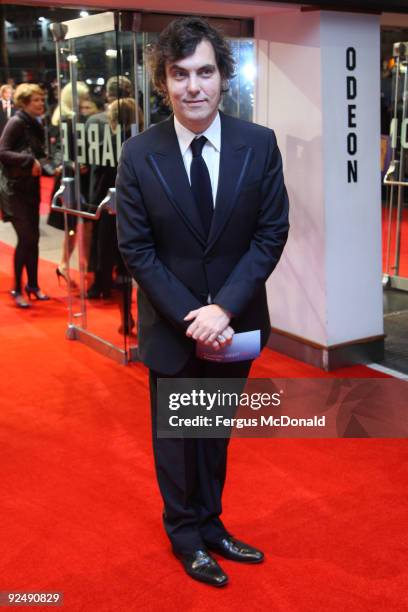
(191, 471)
(105, 252)
(25, 220)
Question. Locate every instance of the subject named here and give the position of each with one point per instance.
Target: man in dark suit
(202, 222)
(7, 109)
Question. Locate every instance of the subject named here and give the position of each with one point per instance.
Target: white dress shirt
(7, 108)
(211, 150)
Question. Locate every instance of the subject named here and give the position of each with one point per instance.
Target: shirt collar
(212, 133)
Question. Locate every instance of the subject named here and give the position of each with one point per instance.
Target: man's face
(194, 87)
(7, 93)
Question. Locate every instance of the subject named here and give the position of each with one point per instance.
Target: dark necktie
(201, 183)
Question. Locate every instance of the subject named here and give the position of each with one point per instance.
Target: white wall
(353, 211)
(289, 100)
(327, 288)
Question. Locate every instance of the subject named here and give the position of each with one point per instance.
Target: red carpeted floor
(80, 509)
(403, 262)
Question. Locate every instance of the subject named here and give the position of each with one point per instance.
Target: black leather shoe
(233, 549)
(201, 566)
(94, 293)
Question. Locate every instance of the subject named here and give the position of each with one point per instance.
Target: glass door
(395, 214)
(98, 110)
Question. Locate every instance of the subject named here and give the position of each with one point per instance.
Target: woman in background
(21, 149)
(120, 114)
(64, 112)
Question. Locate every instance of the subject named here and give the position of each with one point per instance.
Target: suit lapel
(234, 161)
(167, 163)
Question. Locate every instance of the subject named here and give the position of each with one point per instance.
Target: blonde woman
(65, 108)
(64, 112)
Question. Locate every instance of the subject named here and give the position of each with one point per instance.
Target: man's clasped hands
(210, 325)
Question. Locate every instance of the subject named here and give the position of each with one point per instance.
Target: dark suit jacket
(3, 116)
(162, 241)
(22, 141)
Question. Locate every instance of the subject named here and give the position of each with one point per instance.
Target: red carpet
(80, 509)
(403, 267)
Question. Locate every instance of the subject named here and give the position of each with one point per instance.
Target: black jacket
(164, 247)
(21, 143)
(3, 116)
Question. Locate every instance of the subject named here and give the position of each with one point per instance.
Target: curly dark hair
(179, 40)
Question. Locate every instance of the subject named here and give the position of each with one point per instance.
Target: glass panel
(98, 111)
(395, 217)
(239, 101)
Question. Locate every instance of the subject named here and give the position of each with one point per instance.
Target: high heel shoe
(60, 274)
(37, 293)
(19, 300)
(94, 293)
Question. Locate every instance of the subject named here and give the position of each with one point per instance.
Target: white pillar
(318, 87)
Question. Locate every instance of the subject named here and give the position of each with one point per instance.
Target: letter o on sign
(351, 58)
(352, 143)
